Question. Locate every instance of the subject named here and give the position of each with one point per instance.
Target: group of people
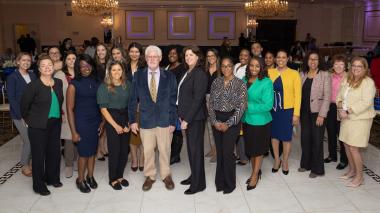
(116, 103)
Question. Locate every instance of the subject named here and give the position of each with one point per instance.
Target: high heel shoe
(82, 186)
(249, 179)
(276, 170)
(249, 187)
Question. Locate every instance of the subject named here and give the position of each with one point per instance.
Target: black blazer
(152, 115)
(15, 87)
(191, 98)
(36, 100)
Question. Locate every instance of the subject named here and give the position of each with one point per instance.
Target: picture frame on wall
(181, 25)
(139, 25)
(221, 24)
(371, 29)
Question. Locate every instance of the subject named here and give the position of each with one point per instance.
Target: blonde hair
(108, 79)
(351, 79)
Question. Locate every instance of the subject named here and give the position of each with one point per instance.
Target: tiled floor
(274, 193)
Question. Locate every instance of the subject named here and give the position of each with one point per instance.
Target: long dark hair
(263, 71)
(141, 62)
(305, 67)
(88, 60)
(218, 61)
(196, 51)
(96, 57)
(65, 69)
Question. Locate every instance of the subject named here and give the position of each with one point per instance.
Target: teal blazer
(260, 102)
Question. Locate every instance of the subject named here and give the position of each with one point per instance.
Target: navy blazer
(163, 112)
(15, 88)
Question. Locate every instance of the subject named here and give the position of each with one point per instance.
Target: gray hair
(153, 48)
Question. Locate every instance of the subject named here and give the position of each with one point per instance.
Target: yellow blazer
(360, 100)
(291, 82)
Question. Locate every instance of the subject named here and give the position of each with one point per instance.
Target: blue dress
(87, 115)
(282, 123)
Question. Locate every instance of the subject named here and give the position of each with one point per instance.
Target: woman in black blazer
(192, 112)
(41, 110)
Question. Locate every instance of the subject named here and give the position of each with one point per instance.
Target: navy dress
(282, 123)
(87, 115)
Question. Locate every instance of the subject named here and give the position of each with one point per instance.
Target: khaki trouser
(160, 138)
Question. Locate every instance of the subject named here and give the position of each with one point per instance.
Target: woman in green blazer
(257, 118)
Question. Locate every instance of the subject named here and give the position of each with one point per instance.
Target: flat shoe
(116, 186)
(346, 177)
(124, 183)
(355, 185)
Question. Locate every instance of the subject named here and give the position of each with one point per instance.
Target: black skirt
(257, 139)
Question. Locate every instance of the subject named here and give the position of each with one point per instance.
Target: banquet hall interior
(329, 27)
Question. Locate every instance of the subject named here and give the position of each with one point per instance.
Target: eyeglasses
(357, 66)
(153, 57)
(226, 66)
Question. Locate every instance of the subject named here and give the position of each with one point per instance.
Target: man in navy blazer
(154, 94)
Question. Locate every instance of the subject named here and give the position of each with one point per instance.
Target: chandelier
(94, 7)
(107, 22)
(252, 23)
(266, 8)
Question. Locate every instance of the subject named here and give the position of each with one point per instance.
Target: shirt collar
(156, 71)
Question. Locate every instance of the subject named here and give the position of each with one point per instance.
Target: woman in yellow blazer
(286, 108)
(355, 103)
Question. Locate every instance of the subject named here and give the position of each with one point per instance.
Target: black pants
(312, 143)
(118, 145)
(45, 146)
(225, 177)
(176, 145)
(195, 148)
(332, 126)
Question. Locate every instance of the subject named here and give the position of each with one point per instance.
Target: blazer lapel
(145, 80)
(161, 83)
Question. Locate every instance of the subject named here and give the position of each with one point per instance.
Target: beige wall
(328, 23)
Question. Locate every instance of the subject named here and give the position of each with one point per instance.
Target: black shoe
(102, 159)
(174, 160)
(141, 168)
(187, 181)
(116, 186)
(249, 179)
(44, 192)
(341, 166)
(285, 172)
(124, 183)
(228, 192)
(91, 182)
(249, 187)
(328, 160)
(276, 170)
(55, 185)
(190, 192)
(83, 187)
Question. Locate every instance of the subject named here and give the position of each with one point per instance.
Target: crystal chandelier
(94, 7)
(107, 22)
(266, 8)
(252, 23)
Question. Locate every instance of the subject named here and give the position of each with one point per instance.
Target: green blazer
(260, 102)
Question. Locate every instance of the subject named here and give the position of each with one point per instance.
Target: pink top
(336, 80)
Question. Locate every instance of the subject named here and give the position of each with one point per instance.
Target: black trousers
(118, 145)
(225, 177)
(45, 146)
(195, 148)
(176, 145)
(333, 126)
(312, 143)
